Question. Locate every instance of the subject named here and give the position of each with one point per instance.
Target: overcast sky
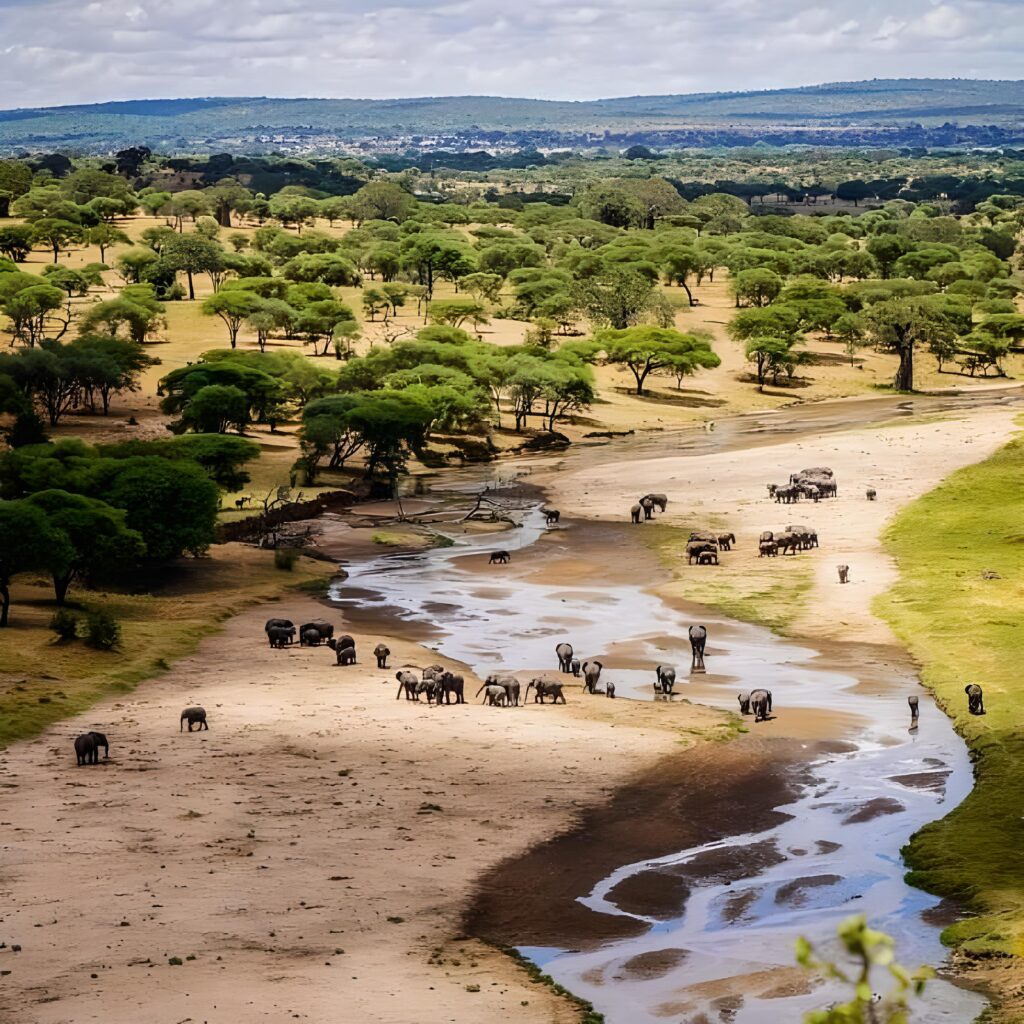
(71, 51)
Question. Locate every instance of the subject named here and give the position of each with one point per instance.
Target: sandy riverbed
(304, 821)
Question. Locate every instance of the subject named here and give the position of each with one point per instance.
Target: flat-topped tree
(646, 349)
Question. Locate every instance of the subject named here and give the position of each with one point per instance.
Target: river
(836, 850)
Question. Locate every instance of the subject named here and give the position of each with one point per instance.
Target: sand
(311, 850)
(727, 491)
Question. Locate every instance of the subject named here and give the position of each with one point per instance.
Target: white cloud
(73, 51)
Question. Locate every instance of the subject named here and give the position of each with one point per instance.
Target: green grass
(43, 680)
(964, 628)
(773, 596)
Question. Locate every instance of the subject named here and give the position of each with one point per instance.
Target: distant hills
(877, 112)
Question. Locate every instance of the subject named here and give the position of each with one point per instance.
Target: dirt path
(317, 815)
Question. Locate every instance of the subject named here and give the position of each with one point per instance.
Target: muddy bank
(533, 900)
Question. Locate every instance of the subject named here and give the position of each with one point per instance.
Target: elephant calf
(544, 689)
(87, 747)
(494, 695)
(634, 513)
(407, 682)
(871, 494)
(380, 652)
(744, 699)
(665, 680)
(280, 636)
(844, 573)
(194, 716)
(761, 704)
(345, 655)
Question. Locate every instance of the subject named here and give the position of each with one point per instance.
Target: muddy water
(730, 947)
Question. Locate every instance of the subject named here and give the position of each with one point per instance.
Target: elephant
(786, 495)
(812, 491)
(648, 506)
(871, 494)
(86, 749)
(101, 741)
(564, 652)
(609, 690)
(666, 679)
(975, 699)
(766, 535)
(407, 682)
(634, 513)
(325, 629)
(344, 655)
(574, 667)
(495, 695)
(282, 623)
(761, 704)
(844, 573)
(744, 699)
(551, 516)
(806, 537)
(698, 640)
(280, 636)
(818, 476)
(767, 549)
(499, 557)
(772, 488)
(788, 543)
(450, 684)
(544, 689)
(913, 702)
(661, 500)
(380, 652)
(511, 685)
(194, 716)
(726, 541)
(338, 644)
(310, 637)
(695, 549)
(591, 675)
(708, 557)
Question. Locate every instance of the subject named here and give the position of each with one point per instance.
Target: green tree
(98, 540)
(616, 298)
(382, 200)
(234, 306)
(216, 408)
(901, 325)
(771, 355)
(57, 235)
(16, 241)
(28, 543)
(32, 307)
(645, 350)
(456, 312)
(757, 287)
(192, 255)
(136, 311)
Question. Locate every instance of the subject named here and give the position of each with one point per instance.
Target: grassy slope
(964, 628)
(42, 681)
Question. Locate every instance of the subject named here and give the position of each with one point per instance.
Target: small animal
(634, 513)
(975, 699)
(194, 716)
(551, 516)
(609, 690)
(499, 557)
(844, 573)
(380, 652)
(871, 494)
(744, 699)
(574, 667)
(345, 656)
(913, 701)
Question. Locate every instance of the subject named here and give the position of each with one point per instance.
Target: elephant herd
(281, 633)
(792, 540)
(813, 484)
(645, 506)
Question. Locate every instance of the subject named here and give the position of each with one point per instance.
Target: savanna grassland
(193, 340)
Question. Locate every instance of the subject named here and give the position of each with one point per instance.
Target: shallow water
(826, 862)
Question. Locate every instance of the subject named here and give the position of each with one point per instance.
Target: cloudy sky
(72, 51)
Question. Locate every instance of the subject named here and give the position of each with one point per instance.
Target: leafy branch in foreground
(869, 949)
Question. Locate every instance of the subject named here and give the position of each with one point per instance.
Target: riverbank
(314, 849)
(961, 563)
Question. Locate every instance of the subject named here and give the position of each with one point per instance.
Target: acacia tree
(57, 235)
(645, 350)
(771, 355)
(27, 543)
(234, 306)
(616, 298)
(900, 325)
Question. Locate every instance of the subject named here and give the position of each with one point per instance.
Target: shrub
(64, 624)
(102, 631)
(285, 559)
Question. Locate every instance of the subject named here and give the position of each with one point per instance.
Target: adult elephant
(975, 699)
(726, 541)
(666, 679)
(279, 623)
(551, 516)
(648, 506)
(564, 653)
(788, 543)
(280, 636)
(407, 683)
(452, 684)
(661, 500)
(761, 704)
(695, 549)
(543, 689)
(591, 675)
(510, 683)
(323, 628)
(698, 636)
(101, 741)
(499, 558)
(194, 716)
(310, 637)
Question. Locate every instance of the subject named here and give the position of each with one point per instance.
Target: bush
(64, 624)
(102, 631)
(285, 559)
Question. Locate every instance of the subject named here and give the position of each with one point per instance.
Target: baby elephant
(87, 747)
(761, 704)
(609, 690)
(666, 679)
(744, 699)
(499, 557)
(844, 573)
(380, 652)
(194, 716)
(634, 513)
(574, 667)
(975, 699)
(345, 655)
(494, 695)
(871, 494)
(544, 689)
